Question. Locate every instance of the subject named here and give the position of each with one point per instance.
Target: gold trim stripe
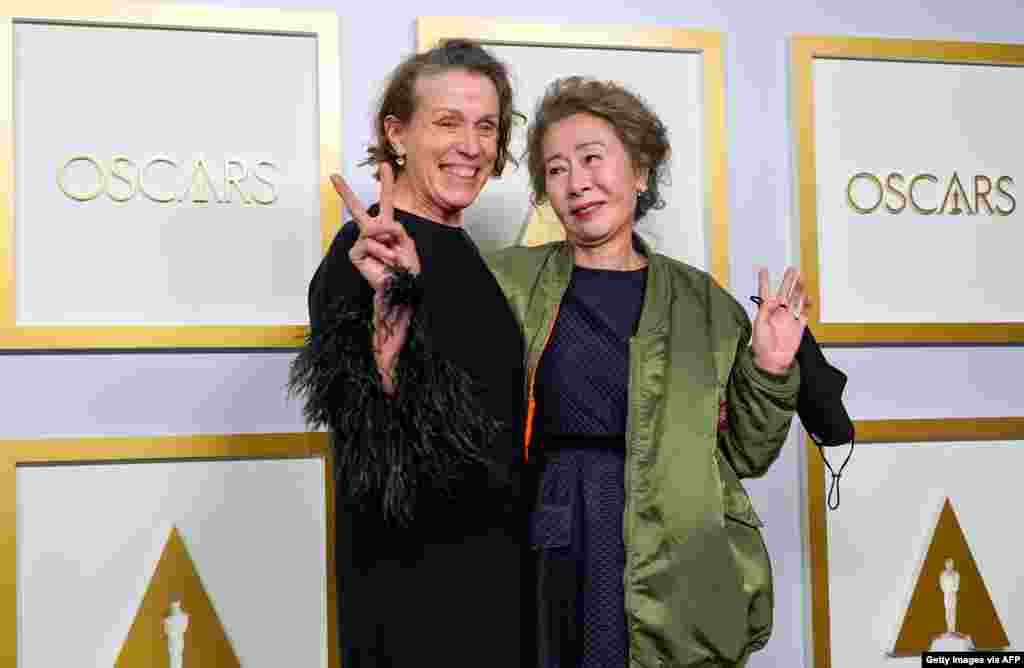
(821, 628)
(7, 240)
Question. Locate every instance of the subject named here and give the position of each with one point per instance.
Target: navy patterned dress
(582, 404)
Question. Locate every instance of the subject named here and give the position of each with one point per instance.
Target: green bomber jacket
(698, 584)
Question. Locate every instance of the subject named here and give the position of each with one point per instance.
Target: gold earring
(400, 160)
(399, 155)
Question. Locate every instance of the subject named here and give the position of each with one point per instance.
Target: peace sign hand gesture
(780, 323)
(383, 243)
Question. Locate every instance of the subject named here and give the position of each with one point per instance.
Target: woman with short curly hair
(639, 129)
(648, 399)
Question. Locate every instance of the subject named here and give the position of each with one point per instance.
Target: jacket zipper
(531, 402)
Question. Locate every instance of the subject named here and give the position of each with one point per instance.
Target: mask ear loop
(834, 483)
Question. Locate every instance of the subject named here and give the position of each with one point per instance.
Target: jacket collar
(657, 296)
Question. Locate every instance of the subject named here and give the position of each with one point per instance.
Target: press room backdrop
(51, 395)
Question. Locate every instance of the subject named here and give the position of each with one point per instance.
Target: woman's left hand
(780, 322)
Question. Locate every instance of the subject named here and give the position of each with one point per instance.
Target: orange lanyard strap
(531, 402)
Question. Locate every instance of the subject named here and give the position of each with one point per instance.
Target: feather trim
(390, 450)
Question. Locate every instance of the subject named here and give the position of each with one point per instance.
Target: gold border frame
(323, 25)
(431, 29)
(877, 432)
(14, 453)
(803, 50)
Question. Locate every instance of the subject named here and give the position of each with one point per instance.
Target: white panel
(143, 93)
(671, 82)
(90, 536)
(914, 118)
(878, 538)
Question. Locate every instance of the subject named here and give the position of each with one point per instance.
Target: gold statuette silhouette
(160, 628)
(940, 598)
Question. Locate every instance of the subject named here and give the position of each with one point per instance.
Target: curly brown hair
(399, 98)
(637, 126)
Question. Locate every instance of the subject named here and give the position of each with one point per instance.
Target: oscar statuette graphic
(950, 609)
(176, 622)
(950, 641)
(175, 626)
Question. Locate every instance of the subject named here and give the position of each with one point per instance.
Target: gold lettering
(86, 196)
(234, 181)
(1006, 194)
(891, 188)
(981, 196)
(955, 189)
(163, 198)
(200, 176)
(130, 181)
(124, 178)
(849, 192)
(266, 182)
(913, 184)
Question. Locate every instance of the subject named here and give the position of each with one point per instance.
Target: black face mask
(820, 402)
(820, 406)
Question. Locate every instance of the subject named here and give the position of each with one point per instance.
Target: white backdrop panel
(878, 538)
(90, 536)
(913, 118)
(671, 82)
(145, 92)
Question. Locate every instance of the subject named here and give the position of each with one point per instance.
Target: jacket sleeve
(390, 450)
(758, 409)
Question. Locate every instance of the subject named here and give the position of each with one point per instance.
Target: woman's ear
(394, 131)
(641, 179)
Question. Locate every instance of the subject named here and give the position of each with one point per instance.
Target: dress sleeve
(759, 408)
(389, 449)
(337, 278)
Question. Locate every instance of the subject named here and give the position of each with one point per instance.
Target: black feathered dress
(432, 546)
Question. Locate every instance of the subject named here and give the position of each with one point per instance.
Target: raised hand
(780, 322)
(383, 243)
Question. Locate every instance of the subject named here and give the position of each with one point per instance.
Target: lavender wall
(107, 394)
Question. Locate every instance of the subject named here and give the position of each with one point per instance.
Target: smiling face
(450, 144)
(590, 180)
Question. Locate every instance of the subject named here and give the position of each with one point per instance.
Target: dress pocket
(551, 527)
